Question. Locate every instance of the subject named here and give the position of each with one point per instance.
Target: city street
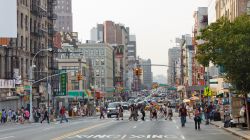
(111, 129)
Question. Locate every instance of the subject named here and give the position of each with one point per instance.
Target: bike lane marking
(79, 131)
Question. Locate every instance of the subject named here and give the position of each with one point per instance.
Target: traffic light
(79, 77)
(136, 71)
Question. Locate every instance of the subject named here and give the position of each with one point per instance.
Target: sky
(156, 23)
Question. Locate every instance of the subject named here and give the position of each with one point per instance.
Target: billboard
(119, 51)
(8, 19)
(69, 37)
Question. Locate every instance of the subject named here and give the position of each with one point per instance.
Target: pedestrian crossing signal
(207, 92)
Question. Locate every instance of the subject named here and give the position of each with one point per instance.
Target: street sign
(63, 85)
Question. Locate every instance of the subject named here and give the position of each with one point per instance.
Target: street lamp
(30, 80)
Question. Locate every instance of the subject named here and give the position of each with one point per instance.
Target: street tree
(227, 44)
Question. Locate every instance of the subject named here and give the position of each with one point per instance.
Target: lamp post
(30, 80)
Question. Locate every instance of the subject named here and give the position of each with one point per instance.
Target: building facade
(101, 56)
(231, 8)
(174, 55)
(147, 75)
(35, 21)
(64, 22)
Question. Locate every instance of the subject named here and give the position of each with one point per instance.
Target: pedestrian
(9, 118)
(102, 111)
(4, 116)
(14, 116)
(143, 112)
(62, 114)
(120, 112)
(45, 116)
(26, 115)
(165, 110)
(154, 112)
(189, 110)
(183, 115)
(170, 113)
(197, 118)
(207, 114)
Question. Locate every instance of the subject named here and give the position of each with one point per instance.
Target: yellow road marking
(78, 131)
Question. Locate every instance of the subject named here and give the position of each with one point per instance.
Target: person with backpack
(197, 118)
(62, 114)
(183, 115)
(120, 112)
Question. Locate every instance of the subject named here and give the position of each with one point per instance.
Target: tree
(227, 44)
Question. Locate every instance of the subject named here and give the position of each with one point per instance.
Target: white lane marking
(6, 137)
(124, 136)
(183, 137)
(134, 126)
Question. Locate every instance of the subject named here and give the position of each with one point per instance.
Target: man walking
(183, 115)
(62, 114)
(45, 116)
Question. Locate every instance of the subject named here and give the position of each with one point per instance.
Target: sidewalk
(236, 131)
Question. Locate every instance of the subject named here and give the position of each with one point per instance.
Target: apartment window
(97, 61)
(21, 41)
(34, 25)
(31, 25)
(21, 68)
(102, 52)
(31, 46)
(26, 22)
(102, 61)
(97, 72)
(21, 20)
(27, 66)
(96, 52)
(26, 43)
(17, 40)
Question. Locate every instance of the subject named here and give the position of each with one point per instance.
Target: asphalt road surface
(112, 129)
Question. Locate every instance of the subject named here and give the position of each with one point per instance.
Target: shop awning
(219, 95)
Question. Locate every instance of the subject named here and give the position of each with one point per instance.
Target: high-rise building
(147, 75)
(131, 61)
(34, 32)
(64, 22)
(232, 8)
(174, 54)
(109, 32)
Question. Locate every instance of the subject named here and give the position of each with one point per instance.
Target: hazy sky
(154, 22)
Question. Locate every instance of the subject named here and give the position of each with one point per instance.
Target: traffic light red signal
(79, 77)
(138, 71)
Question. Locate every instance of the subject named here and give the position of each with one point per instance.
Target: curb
(234, 133)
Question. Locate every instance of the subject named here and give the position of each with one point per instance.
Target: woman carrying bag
(197, 118)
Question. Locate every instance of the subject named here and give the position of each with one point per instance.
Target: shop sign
(4, 83)
(63, 85)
